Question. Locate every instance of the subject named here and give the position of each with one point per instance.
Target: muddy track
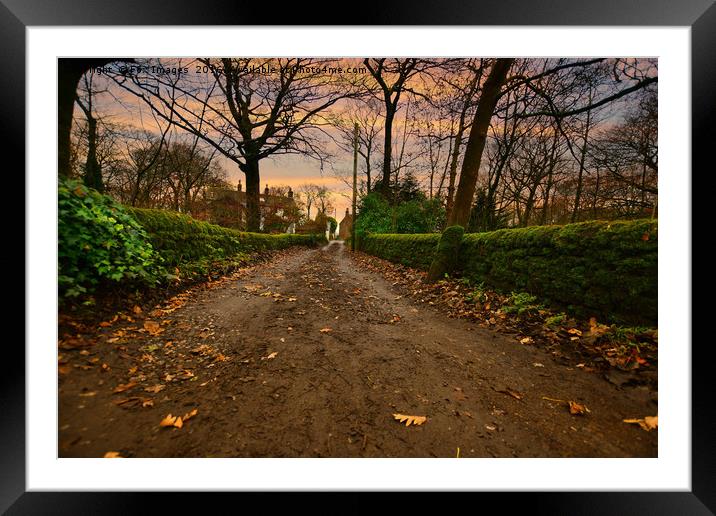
(332, 393)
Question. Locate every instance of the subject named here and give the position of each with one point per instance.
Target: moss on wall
(599, 268)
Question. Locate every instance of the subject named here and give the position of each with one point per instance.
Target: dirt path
(331, 393)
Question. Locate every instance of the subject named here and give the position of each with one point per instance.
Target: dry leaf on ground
(112, 455)
(416, 420)
(153, 327)
(178, 421)
(123, 387)
(326, 330)
(649, 423)
(577, 408)
(189, 415)
(510, 392)
(172, 421)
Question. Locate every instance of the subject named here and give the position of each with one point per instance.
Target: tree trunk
(69, 72)
(93, 172)
(253, 192)
(460, 214)
(582, 159)
(453, 168)
(387, 149)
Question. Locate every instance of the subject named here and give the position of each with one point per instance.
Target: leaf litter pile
(315, 354)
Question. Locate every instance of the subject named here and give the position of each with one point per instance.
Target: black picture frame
(16, 15)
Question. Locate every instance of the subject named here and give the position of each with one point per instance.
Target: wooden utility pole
(355, 185)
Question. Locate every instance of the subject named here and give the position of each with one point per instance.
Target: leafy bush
(411, 250)
(182, 239)
(418, 215)
(374, 215)
(521, 303)
(100, 242)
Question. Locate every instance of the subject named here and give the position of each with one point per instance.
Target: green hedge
(602, 269)
(412, 250)
(180, 238)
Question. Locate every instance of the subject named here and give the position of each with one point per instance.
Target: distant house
(345, 227)
(227, 207)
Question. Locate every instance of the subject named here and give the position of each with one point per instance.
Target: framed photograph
(415, 253)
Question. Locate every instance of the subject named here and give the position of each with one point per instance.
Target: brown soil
(250, 355)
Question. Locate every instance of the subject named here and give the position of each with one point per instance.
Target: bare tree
(391, 77)
(246, 108)
(369, 120)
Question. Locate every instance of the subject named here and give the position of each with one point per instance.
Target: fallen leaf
(326, 330)
(510, 392)
(155, 388)
(129, 402)
(272, 355)
(417, 420)
(124, 386)
(137, 310)
(577, 409)
(189, 415)
(527, 340)
(153, 327)
(170, 420)
(649, 423)
(112, 455)
(88, 394)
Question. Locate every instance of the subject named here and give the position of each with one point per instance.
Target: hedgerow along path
(311, 355)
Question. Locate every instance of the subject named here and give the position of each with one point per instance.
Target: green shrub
(100, 242)
(412, 250)
(556, 320)
(520, 303)
(180, 238)
(418, 215)
(374, 215)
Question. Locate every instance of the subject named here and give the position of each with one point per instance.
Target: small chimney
(290, 193)
(238, 187)
(266, 190)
